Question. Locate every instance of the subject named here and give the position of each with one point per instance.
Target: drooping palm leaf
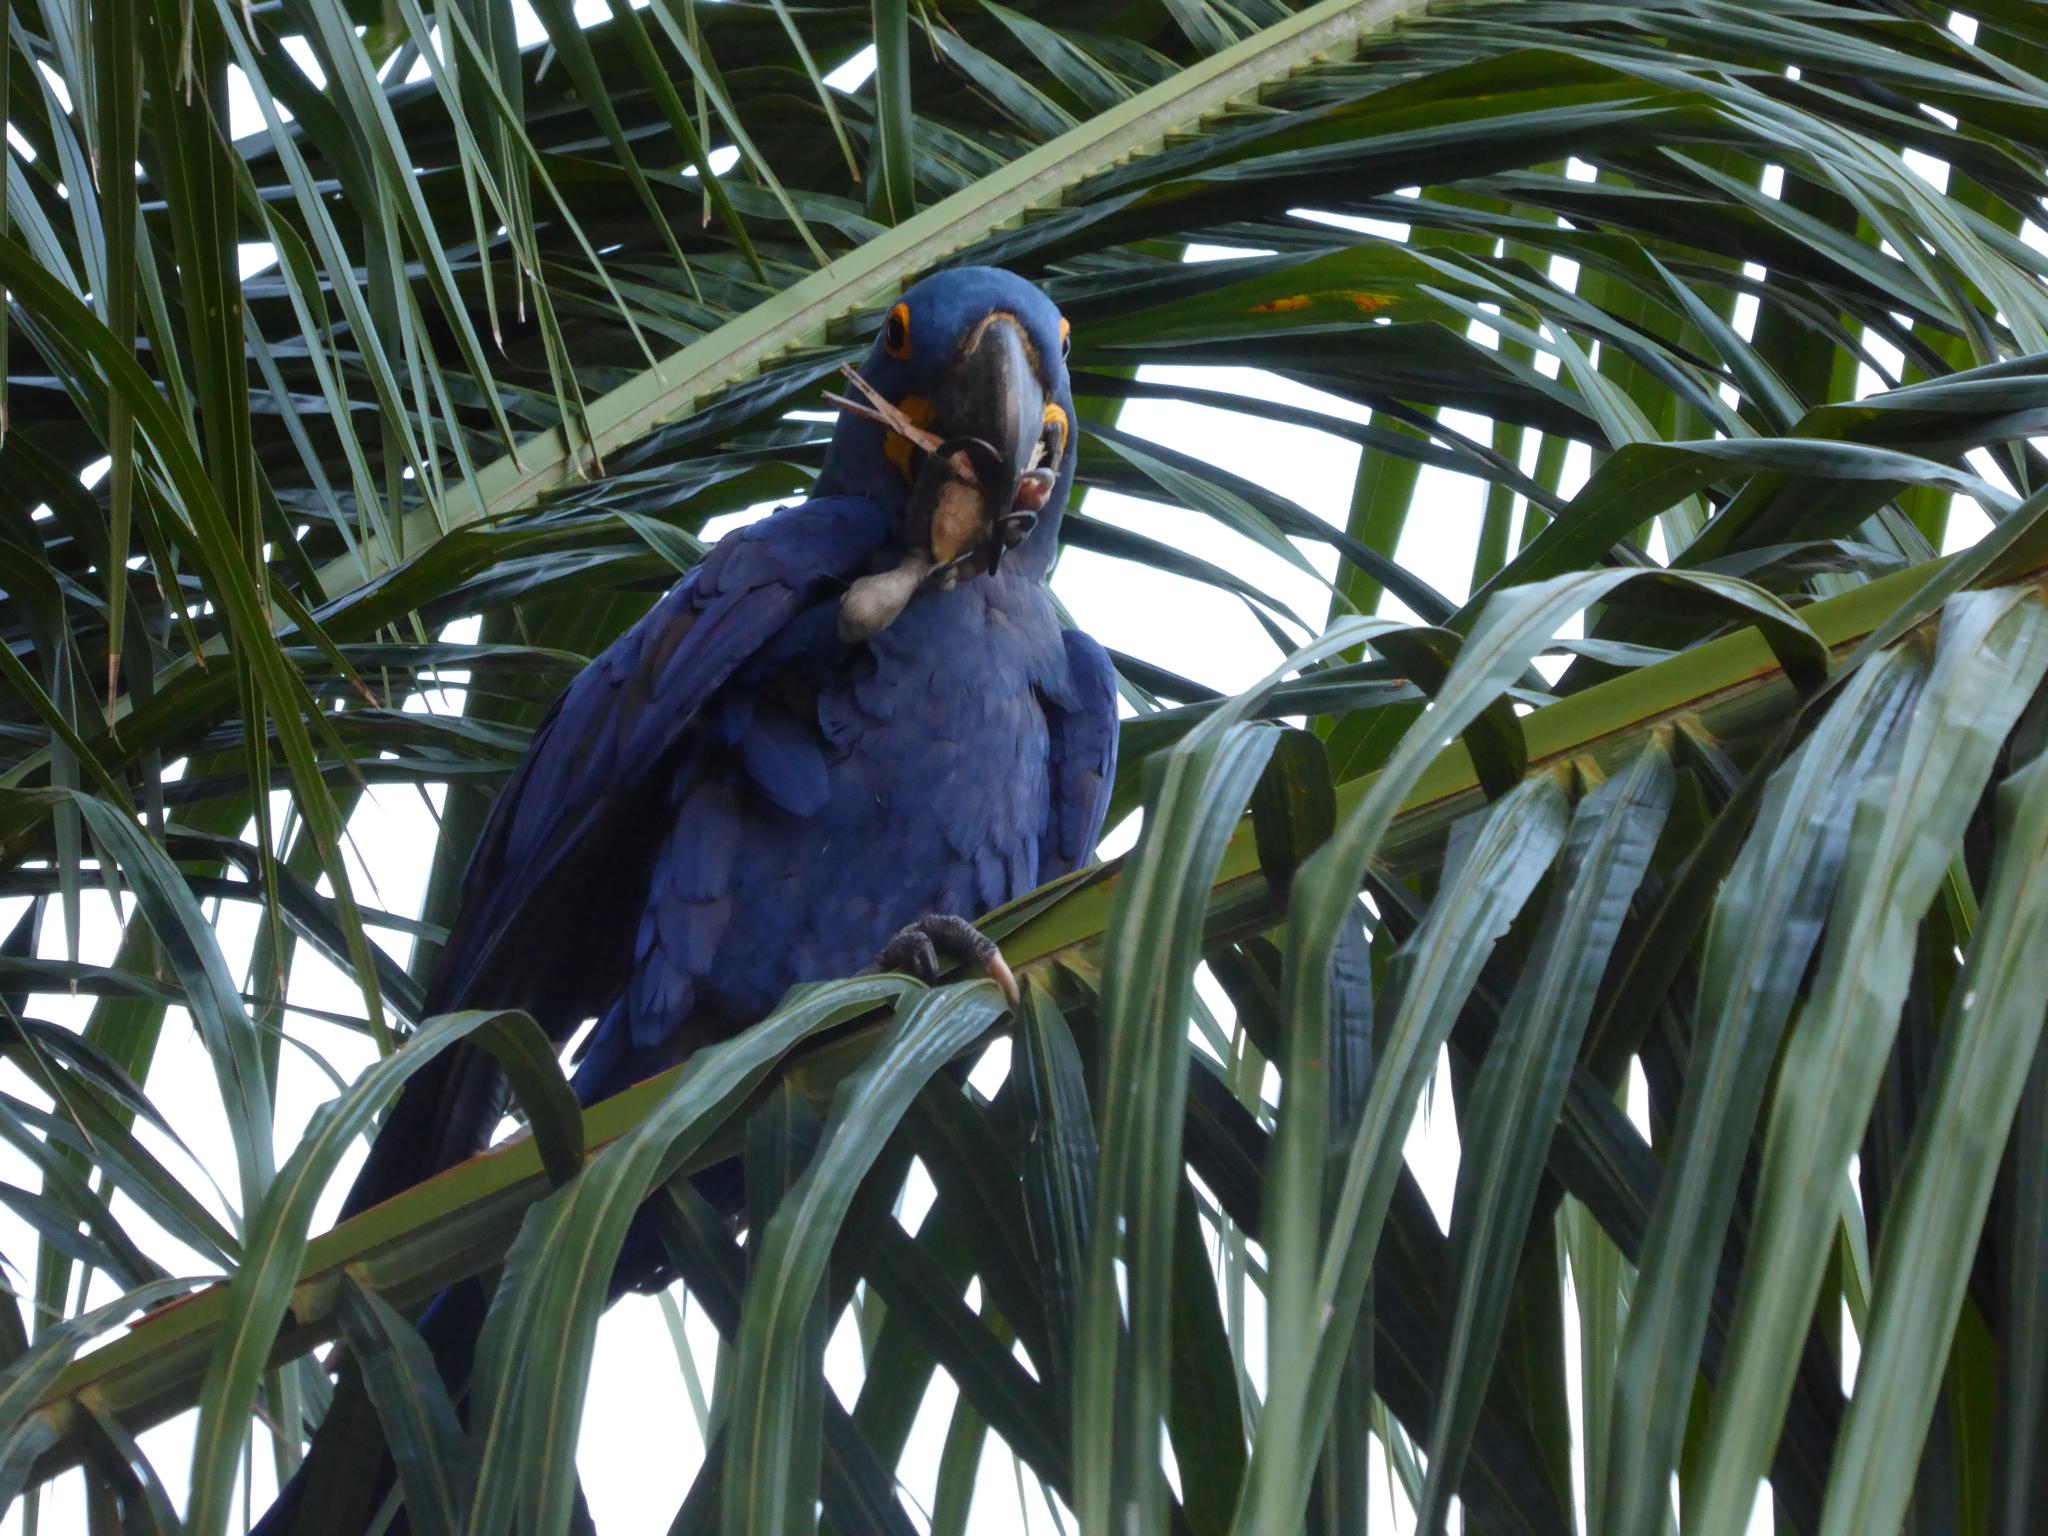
(529, 318)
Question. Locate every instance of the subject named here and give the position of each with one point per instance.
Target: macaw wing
(554, 886)
(1082, 746)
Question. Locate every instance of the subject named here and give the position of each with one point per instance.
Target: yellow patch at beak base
(918, 408)
(1053, 413)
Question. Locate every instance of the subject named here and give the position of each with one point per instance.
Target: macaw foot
(915, 949)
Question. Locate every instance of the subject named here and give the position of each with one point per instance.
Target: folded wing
(560, 872)
(1082, 743)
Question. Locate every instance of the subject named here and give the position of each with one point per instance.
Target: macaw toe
(914, 949)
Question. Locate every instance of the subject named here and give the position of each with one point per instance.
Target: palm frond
(1720, 324)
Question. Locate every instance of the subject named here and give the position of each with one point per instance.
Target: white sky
(640, 1444)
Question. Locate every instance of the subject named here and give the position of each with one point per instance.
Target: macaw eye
(896, 332)
(1066, 338)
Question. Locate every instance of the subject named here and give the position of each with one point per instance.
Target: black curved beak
(989, 407)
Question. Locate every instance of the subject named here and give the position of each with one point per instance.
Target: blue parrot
(856, 725)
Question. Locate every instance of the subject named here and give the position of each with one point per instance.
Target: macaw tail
(331, 1482)
(444, 1116)
(343, 1498)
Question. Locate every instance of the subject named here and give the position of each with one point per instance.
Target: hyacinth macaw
(857, 724)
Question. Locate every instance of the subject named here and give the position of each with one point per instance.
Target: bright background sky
(641, 1443)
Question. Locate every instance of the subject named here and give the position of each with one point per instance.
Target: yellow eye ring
(1066, 337)
(896, 332)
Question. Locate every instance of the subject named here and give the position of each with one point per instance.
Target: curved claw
(1000, 973)
(938, 575)
(915, 948)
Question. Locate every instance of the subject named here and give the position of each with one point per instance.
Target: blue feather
(732, 799)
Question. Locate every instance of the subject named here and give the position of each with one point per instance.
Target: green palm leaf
(1716, 323)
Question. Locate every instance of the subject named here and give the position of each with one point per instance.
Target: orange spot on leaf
(1365, 303)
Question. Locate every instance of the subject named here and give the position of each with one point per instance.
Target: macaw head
(963, 421)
